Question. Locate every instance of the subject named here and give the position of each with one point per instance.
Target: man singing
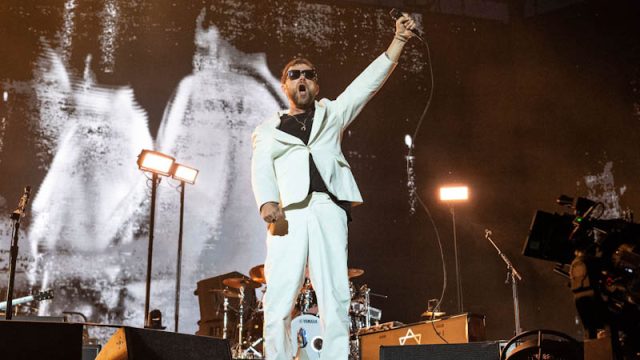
(304, 189)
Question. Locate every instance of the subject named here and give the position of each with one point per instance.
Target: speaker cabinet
(489, 350)
(27, 340)
(456, 329)
(145, 344)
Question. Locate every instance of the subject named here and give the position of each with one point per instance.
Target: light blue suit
(317, 231)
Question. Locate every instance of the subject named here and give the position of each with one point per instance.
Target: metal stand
(13, 251)
(225, 317)
(154, 186)
(367, 304)
(251, 352)
(241, 318)
(455, 253)
(179, 259)
(513, 276)
(237, 350)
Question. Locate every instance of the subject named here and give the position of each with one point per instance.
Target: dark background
(523, 109)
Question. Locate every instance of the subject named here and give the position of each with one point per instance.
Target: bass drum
(306, 336)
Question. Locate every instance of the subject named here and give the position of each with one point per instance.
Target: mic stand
(513, 276)
(13, 251)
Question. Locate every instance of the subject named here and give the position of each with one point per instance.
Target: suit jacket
(280, 162)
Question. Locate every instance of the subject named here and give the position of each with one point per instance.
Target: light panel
(155, 162)
(454, 193)
(185, 173)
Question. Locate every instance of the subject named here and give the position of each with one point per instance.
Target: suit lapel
(318, 121)
(281, 135)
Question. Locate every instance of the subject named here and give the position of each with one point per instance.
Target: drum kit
(306, 331)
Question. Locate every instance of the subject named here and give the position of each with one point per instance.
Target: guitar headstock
(43, 295)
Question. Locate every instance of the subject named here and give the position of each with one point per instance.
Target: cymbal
(257, 274)
(232, 294)
(237, 283)
(353, 272)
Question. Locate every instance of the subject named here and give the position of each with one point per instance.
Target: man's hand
(404, 25)
(271, 212)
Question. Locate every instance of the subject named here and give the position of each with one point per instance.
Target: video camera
(604, 263)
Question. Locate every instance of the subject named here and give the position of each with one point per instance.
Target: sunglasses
(308, 74)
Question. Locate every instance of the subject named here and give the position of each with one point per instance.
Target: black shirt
(300, 127)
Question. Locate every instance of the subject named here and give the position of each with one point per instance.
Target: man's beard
(300, 101)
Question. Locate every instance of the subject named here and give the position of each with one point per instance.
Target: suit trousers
(317, 237)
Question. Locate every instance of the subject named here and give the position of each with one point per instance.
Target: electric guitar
(39, 296)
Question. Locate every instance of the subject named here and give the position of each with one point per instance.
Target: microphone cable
(395, 14)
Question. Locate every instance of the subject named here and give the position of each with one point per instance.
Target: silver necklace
(304, 122)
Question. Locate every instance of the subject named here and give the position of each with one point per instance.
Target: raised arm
(365, 86)
(404, 25)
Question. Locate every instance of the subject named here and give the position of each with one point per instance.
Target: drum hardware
(237, 350)
(306, 332)
(375, 313)
(226, 292)
(251, 352)
(241, 284)
(254, 326)
(225, 317)
(367, 303)
(307, 301)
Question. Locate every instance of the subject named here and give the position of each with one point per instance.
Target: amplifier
(456, 329)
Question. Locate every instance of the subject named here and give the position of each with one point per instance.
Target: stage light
(5, 96)
(155, 162)
(454, 193)
(408, 141)
(185, 173)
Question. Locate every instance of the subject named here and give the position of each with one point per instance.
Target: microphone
(487, 233)
(396, 14)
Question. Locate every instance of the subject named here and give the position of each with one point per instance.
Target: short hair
(295, 61)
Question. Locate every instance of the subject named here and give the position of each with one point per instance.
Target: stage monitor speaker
(489, 350)
(129, 343)
(455, 329)
(27, 340)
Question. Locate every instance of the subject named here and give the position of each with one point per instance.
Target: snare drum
(306, 336)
